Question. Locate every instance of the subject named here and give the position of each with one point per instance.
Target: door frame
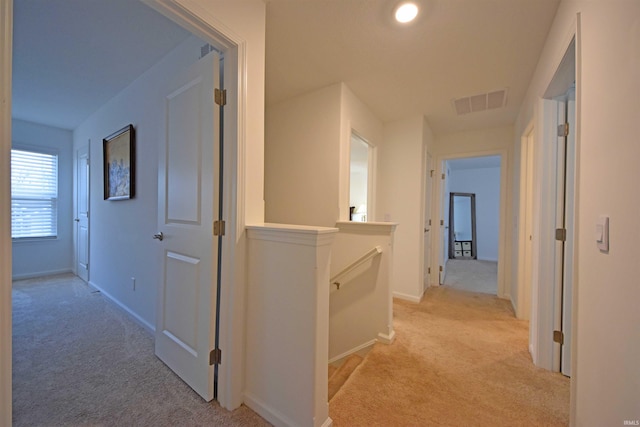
(438, 238)
(545, 353)
(6, 40)
(231, 327)
(526, 217)
(76, 206)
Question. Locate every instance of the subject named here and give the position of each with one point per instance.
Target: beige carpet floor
(459, 359)
(78, 360)
(472, 275)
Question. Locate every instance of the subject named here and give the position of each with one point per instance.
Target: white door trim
(6, 40)
(525, 222)
(503, 291)
(233, 48)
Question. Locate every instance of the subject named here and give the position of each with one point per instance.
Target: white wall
(606, 378)
(41, 257)
(355, 116)
(401, 192)
(121, 244)
(308, 140)
(485, 183)
(302, 160)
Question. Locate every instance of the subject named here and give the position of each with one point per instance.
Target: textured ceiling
(456, 48)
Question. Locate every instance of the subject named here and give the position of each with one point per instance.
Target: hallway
(460, 358)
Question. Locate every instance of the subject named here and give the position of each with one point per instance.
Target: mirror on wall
(462, 226)
(359, 175)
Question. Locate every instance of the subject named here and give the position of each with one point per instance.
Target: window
(34, 194)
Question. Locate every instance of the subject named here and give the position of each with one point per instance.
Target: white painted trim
(135, 317)
(41, 274)
(503, 291)
(295, 234)
(387, 338)
(6, 40)
(527, 138)
(234, 49)
(353, 350)
(573, 385)
(366, 227)
(407, 297)
(328, 422)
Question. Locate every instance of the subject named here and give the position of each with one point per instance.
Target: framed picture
(119, 164)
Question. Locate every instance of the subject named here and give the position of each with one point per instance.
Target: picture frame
(119, 165)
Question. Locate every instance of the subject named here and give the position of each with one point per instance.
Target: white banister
(364, 258)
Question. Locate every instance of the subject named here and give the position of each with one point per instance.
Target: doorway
(472, 198)
(81, 247)
(552, 302)
(233, 62)
(359, 179)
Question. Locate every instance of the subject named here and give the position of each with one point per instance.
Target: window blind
(34, 194)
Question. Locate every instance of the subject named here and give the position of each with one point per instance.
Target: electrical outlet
(133, 283)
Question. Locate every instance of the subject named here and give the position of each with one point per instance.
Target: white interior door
(187, 202)
(427, 222)
(565, 220)
(82, 214)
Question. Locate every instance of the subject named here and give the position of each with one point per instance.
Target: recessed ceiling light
(406, 12)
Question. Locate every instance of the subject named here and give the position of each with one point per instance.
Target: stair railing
(364, 258)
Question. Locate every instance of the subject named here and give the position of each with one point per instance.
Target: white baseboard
(406, 297)
(387, 338)
(269, 414)
(149, 327)
(328, 422)
(40, 274)
(353, 350)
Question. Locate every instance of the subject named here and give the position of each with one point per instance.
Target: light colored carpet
(459, 359)
(472, 275)
(80, 361)
(340, 376)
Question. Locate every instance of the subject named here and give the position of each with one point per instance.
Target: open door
(565, 216)
(82, 214)
(188, 202)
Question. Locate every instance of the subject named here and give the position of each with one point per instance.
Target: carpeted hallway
(80, 361)
(459, 359)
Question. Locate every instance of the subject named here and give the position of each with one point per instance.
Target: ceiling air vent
(481, 102)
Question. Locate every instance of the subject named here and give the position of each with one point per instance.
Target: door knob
(159, 236)
(76, 219)
(426, 230)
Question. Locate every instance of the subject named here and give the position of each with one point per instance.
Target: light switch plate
(602, 233)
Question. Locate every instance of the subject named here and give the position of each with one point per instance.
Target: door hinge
(561, 234)
(428, 270)
(429, 222)
(563, 129)
(442, 222)
(220, 97)
(442, 176)
(215, 357)
(440, 268)
(218, 227)
(431, 172)
(558, 336)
